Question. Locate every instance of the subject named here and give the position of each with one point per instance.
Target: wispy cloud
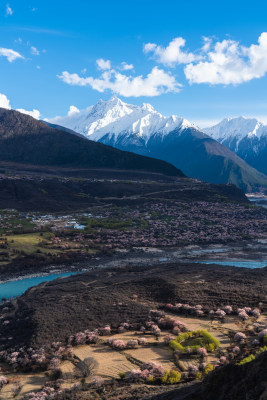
(39, 30)
(126, 67)
(9, 10)
(10, 54)
(35, 51)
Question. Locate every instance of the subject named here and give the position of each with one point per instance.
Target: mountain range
(247, 137)
(143, 130)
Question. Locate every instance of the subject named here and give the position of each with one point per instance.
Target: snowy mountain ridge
(247, 137)
(116, 118)
(238, 128)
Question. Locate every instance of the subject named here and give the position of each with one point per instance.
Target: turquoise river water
(17, 287)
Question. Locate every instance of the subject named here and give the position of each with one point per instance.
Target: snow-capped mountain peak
(236, 128)
(117, 119)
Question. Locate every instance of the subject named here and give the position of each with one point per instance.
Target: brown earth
(54, 310)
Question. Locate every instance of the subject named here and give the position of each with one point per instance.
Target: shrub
(223, 360)
(202, 352)
(151, 379)
(199, 375)
(262, 333)
(118, 344)
(97, 382)
(247, 359)
(132, 344)
(142, 341)
(192, 370)
(204, 340)
(236, 350)
(176, 346)
(256, 312)
(155, 369)
(3, 381)
(171, 377)
(168, 338)
(239, 336)
(210, 347)
(208, 368)
(122, 375)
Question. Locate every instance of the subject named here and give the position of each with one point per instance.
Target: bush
(210, 347)
(118, 344)
(132, 344)
(202, 339)
(201, 374)
(202, 352)
(176, 346)
(3, 381)
(247, 359)
(171, 377)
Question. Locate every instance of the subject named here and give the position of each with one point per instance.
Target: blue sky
(200, 60)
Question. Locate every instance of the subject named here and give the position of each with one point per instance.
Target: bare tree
(86, 367)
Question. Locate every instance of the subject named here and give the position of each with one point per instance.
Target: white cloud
(4, 102)
(34, 113)
(9, 10)
(35, 51)
(207, 44)
(126, 67)
(230, 63)
(103, 64)
(172, 54)
(73, 110)
(154, 84)
(10, 54)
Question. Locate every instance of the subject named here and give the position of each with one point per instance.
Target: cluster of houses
(56, 222)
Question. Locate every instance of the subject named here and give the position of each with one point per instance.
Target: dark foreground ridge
(25, 140)
(54, 310)
(232, 382)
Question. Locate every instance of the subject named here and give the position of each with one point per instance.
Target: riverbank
(254, 251)
(247, 255)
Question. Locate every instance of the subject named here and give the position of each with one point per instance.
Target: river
(17, 287)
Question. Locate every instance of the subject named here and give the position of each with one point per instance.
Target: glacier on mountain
(238, 128)
(116, 118)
